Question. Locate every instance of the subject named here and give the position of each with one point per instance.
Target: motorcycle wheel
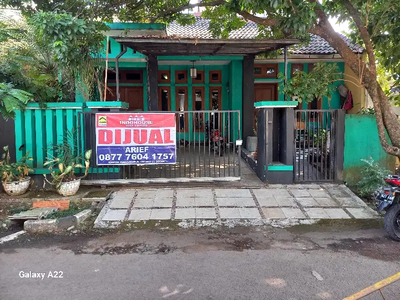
(392, 222)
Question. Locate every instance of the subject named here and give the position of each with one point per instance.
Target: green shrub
(373, 177)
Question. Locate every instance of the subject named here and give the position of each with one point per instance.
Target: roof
(200, 30)
(174, 45)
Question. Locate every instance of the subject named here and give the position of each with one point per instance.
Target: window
(215, 77)
(266, 71)
(198, 104)
(295, 68)
(310, 67)
(164, 77)
(182, 105)
(215, 104)
(134, 76)
(164, 100)
(199, 78)
(257, 71)
(112, 76)
(181, 77)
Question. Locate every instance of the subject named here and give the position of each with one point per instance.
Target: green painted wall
(362, 141)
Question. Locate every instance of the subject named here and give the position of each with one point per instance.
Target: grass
(73, 209)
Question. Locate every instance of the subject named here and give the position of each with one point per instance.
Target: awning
(204, 47)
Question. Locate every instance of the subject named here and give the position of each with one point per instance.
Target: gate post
(339, 145)
(263, 134)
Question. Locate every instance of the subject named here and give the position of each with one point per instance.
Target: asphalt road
(241, 263)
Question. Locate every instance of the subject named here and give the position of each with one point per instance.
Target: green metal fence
(38, 128)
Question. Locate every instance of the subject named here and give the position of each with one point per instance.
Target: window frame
(194, 80)
(125, 79)
(160, 79)
(177, 107)
(160, 88)
(264, 68)
(203, 105)
(177, 72)
(293, 66)
(219, 72)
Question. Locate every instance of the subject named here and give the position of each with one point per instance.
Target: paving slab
(185, 213)
(293, 213)
(350, 202)
(337, 213)
(307, 202)
(139, 215)
(249, 213)
(263, 193)
(229, 213)
(115, 215)
(280, 193)
(286, 201)
(338, 191)
(297, 193)
(162, 202)
(117, 202)
(316, 213)
(232, 193)
(273, 213)
(362, 213)
(193, 193)
(326, 202)
(204, 201)
(124, 194)
(185, 202)
(239, 202)
(143, 203)
(267, 202)
(160, 214)
(318, 193)
(205, 213)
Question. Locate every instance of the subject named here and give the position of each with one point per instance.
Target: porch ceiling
(204, 47)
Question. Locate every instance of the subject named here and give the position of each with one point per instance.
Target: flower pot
(69, 188)
(16, 188)
(251, 143)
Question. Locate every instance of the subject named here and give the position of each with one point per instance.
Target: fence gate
(318, 145)
(206, 147)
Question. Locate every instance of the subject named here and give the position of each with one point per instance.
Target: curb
(43, 226)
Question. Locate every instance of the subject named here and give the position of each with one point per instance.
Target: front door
(265, 92)
(134, 96)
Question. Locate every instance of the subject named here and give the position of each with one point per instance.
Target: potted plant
(63, 165)
(14, 176)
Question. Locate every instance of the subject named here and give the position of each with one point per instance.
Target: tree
(375, 26)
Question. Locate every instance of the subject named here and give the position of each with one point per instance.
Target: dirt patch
(129, 249)
(378, 248)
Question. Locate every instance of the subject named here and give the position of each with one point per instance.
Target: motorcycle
(388, 199)
(215, 141)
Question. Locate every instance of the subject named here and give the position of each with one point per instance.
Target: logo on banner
(102, 120)
(136, 120)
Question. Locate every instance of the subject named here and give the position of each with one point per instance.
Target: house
(223, 80)
(212, 86)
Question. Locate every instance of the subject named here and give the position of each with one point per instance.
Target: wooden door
(265, 92)
(133, 95)
(111, 93)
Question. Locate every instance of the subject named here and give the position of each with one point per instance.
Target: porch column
(248, 97)
(152, 83)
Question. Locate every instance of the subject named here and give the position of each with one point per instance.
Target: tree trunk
(385, 116)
